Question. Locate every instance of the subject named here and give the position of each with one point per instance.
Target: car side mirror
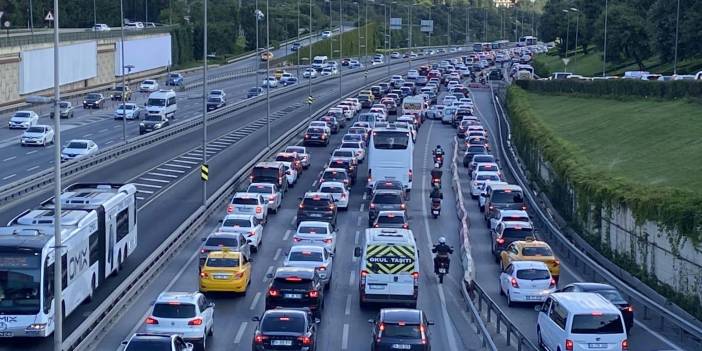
(220, 221)
(255, 319)
(317, 321)
(269, 275)
(538, 308)
(371, 321)
(203, 239)
(357, 252)
(210, 304)
(124, 342)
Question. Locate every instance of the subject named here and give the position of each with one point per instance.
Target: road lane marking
(30, 152)
(185, 161)
(155, 180)
(356, 238)
(171, 170)
(362, 207)
(177, 166)
(255, 301)
(144, 191)
(277, 254)
(148, 185)
(88, 135)
(104, 130)
(287, 234)
(268, 271)
(192, 158)
(9, 158)
(8, 177)
(292, 221)
(359, 219)
(347, 311)
(240, 332)
(139, 198)
(314, 184)
(352, 278)
(109, 142)
(31, 169)
(163, 175)
(345, 337)
(365, 196)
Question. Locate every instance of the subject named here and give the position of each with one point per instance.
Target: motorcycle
(442, 268)
(436, 182)
(439, 159)
(435, 207)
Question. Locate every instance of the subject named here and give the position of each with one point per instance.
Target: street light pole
(365, 44)
(409, 28)
(309, 80)
(341, 46)
(257, 52)
(204, 100)
(94, 14)
(298, 40)
(331, 30)
(58, 242)
(124, 77)
(567, 32)
(577, 24)
(604, 51)
(677, 24)
(466, 42)
(268, 73)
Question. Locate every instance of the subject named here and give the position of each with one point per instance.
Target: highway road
(168, 185)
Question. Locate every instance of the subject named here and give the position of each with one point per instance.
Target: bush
(617, 88)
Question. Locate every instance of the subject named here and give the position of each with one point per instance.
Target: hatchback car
(285, 329)
(129, 111)
(400, 329)
(315, 233)
(23, 120)
(385, 200)
(41, 135)
(270, 192)
(249, 203)
(247, 225)
(188, 314)
(506, 233)
(315, 206)
(391, 219)
(526, 281)
(312, 256)
(148, 86)
(472, 151)
(78, 148)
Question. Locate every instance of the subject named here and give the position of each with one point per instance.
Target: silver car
(311, 256)
(315, 233)
(220, 240)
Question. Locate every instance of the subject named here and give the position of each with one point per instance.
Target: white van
(319, 62)
(580, 321)
(162, 103)
(389, 267)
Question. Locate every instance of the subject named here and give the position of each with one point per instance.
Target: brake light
(552, 284)
(314, 294)
(424, 335)
(296, 239)
(629, 309)
(372, 205)
(321, 268)
(500, 241)
(524, 208)
(230, 209)
(273, 292)
(251, 233)
(405, 226)
(324, 135)
(376, 225)
(402, 206)
(260, 338)
(204, 275)
(514, 282)
(343, 195)
(305, 340)
(203, 251)
(151, 320)
(569, 345)
(327, 241)
(625, 344)
(196, 321)
(307, 136)
(259, 209)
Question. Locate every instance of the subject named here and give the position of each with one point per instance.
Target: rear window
(285, 158)
(515, 219)
(236, 222)
(401, 331)
(315, 130)
(261, 189)
(515, 233)
(292, 323)
(150, 345)
(334, 175)
(391, 219)
(537, 251)
(228, 242)
(312, 202)
(507, 197)
(265, 172)
(292, 283)
(476, 149)
(387, 199)
(331, 190)
(343, 154)
(487, 177)
(244, 201)
(306, 256)
(222, 262)
(174, 310)
(611, 295)
(312, 230)
(597, 324)
(533, 274)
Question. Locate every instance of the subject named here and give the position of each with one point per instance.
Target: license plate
(6, 334)
(242, 209)
(597, 345)
(220, 276)
(315, 215)
(293, 296)
(281, 342)
(376, 286)
(401, 346)
(315, 137)
(533, 298)
(442, 270)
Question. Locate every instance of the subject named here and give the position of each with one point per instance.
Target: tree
(627, 35)
(661, 17)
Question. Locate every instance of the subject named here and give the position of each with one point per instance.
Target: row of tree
(636, 29)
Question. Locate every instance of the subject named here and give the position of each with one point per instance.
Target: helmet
(442, 240)
(436, 165)
(438, 146)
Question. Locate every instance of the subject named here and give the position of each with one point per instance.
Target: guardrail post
(519, 345)
(509, 334)
(489, 316)
(497, 321)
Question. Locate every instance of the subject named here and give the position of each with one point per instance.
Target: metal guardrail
(686, 329)
(120, 299)
(88, 34)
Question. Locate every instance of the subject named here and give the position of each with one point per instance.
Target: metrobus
(390, 156)
(500, 44)
(98, 232)
(527, 41)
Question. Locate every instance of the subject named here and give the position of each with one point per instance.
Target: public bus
(99, 232)
(527, 41)
(390, 156)
(500, 44)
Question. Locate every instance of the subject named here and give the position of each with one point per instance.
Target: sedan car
(269, 82)
(174, 313)
(146, 341)
(148, 86)
(249, 203)
(290, 81)
(270, 192)
(435, 112)
(317, 207)
(312, 256)
(65, 110)
(128, 111)
(225, 271)
(247, 225)
(509, 216)
(338, 191)
(253, 92)
(477, 182)
(385, 200)
(215, 102)
(37, 135)
(309, 73)
(315, 233)
(23, 120)
(217, 93)
(175, 79)
(94, 100)
(285, 329)
(78, 148)
(526, 281)
(400, 329)
(391, 219)
(302, 152)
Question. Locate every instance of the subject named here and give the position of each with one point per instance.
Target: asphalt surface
(642, 337)
(170, 188)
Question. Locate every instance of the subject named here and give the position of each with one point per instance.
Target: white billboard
(76, 62)
(427, 26)
(395, 23)
(143, 54)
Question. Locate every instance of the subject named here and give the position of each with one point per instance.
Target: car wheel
(499, 288)
(43, 143)
(539, 340)
(202, 345)
(509, 300)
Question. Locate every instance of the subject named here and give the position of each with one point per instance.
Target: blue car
(175, 79)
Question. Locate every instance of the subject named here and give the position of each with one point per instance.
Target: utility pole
(58, 241)
(341, 46)
(604, 52)
(299, 44)
(485, 25)
(409, 27)
(309, 80)
(365, 44)
(124, 76)
(387, 59)
(204, 100)
(268, 73)
(256, 14)
(146, 10)
(331, 31)
(677, 25)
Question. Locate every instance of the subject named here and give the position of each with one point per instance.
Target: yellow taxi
(279, 73)
(531, 250)
(225, 271)
(368, 93)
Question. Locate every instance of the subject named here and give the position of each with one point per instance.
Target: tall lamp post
(258, 14)
(677, 24)
(124, 77)
(268, 73)
(309, 80)
(448, 27)
(204, 99)
(58, 242)
(341, 45)
(577, 24)
(604, 51)
(567, 32)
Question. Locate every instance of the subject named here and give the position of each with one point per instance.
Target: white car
(357, 147)
(78, 148)
(290, 173)
(329, 71)
(326, 34)
(247, 225)
(302, 151)
(348, 152)
(269, 82)
(356, 103)
(23, 120)
(321, 124)
(309, 73)
(148, 86)
(101, 27)
(311, 256)
(338, 191)
(355, 64)
(37, 135)
(134, 26)
(269, 191)
(526, 281)
(250, 204)
(477, 182)
(315, 233)
(412, 74)
(395, 55)
(189, 315)
(217, 93)
(129, 111)
(509, 216)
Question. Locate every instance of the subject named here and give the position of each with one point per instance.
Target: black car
(153, 122)
(215, 102)
(387, 184)
(348, 164)
(253, 92)
(317, 207)
(377, 91)
(472, 151)
(495, 74)
(151, 342)
(365, 101)
(385, 200)
(316, 135)
(296, 287)
(400, 329)
(285, 329)
(93, 100)
(610, 293)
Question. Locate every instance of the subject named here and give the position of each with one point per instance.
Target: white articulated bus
(99, 231)
(527, 41)
(390, 156)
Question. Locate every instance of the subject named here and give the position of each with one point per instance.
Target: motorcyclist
(436, 173)
(442, 252)
(438, 151)
(436, 194)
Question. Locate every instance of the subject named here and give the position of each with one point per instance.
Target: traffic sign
(310, 100)
(49, 16)
(427, 26)
(395, 23)
(565, 61)
(204, 172)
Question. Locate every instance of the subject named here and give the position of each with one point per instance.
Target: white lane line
(104, 130)
(186, 162)
(177, 166)
(314, 184)
(357, 237)
(139, 198)
(31, 152)
(192, 158)
(255, 301)
(156, 180)
(268, 271)
(109, 142)
(345, 337)
(293, 220)
(220, 144)
(287, 234)
(170, 170)
(9, 158)
(347, 310)
(365, 196)
(352, 278)
(359, 219)
(31, 169)
(277, 254)
(362, 207)
(8, 177)
(163, 175)
(239, 333)
(148, 185)
(88, 135)
(144, 191)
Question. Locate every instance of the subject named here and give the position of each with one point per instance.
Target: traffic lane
(487, 271)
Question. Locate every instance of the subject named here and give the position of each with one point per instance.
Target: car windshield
(533, 274)
(219, 241)
(214, 99)
(344, 153)
(350, 145)
(596, 323)
(156, 102)
(20, 276)
(236, 222)
(387, 198)
(312, 230)
(21, 114)
(334, 175)
(306, 256)
(93, 97)
(391, 140)
(77, 145)
(222, 262)
(64, 105)
(611, 295)
(126, 107)
(153, 118)
(174, 310)
(475, 149)
(150, 345)
(35, 130)
(282, 322)
(315, 130)
(391, 219)
(260, 189)
(407, 331)
(253, 90)
(536, 251)
(507, 196)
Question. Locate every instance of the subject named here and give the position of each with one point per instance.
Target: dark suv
(317, 207)
(93, 100)
(316, 135)
(400, 328)
(296, 287)
(285, 329)
(152, 123)
(385, 200)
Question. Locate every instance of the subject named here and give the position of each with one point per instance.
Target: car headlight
(85, 102)
(36, 327)
(157, 125)
(141, 124)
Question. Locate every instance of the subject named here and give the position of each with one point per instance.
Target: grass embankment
(649, 142)
(590, 65)
(350, 48)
